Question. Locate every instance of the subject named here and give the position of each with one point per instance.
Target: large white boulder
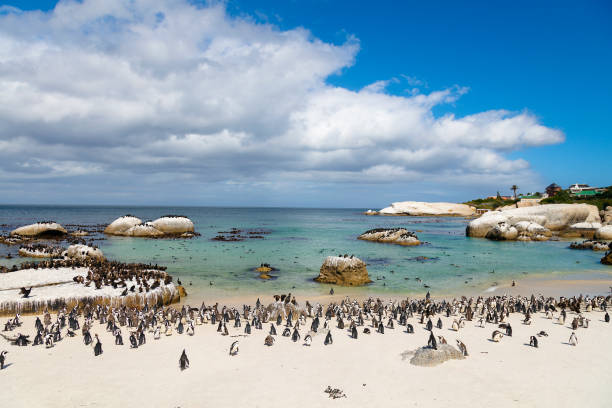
(399, 236)
(122, 224)
(83, 252)
(40, 228)
(553, 217)
(146, 230)
(173, 224)
(604, 232)
(418, 208)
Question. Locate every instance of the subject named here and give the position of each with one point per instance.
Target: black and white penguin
(3, 359)
(247, 328)
(295, 336)
(409, 329)
(328, 339)
(87, 338)
(269, 341)
(439, 323)
(462, 348)
(381, 328)
(97, 347)
(431, 342)
(429, 325)
(573, 340)
(233, 348)
(180, 328)
(118, 338)
(272, 329)
(496, 336)
(607, 318)
(366, 330)
(183, 361)
(508, 330)
(315, 324)
(308, 340)
(38, 339)
(133, 342)
(354, 332)
(279, 320)
(287, 332)
(533, 341)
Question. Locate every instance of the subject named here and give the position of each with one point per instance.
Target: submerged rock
(40, 229)
(428, 357)
(399, 236)
(419, 208)
(345, 271)
(39, 251)
(535, 223)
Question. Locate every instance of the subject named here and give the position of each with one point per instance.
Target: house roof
(553, 185)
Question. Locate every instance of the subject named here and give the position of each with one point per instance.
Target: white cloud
(164, 87)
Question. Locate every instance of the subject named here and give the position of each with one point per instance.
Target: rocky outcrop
(83, 252)
(590, 244)
(122, 224)
(536, 222)
(607, 259)
(417, 208)
(428, 357)
(39, 251)
(146, 230)
(606, 216)
(370, 212)
(604, 232)
(166, 226)
(173, 225)
(400, 236)
(40, 229)
(345, 271)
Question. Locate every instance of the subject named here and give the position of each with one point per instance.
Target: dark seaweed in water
(377, 261)
(423, 259)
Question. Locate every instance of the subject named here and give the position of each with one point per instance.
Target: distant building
(584, 190)
(553, 189)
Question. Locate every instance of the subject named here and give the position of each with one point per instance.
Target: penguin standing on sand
(308, 340)
(295, 336)
(409, 329)
(354, 332)
(97, 347)
(87, 338)
(432, 341)
(133, 343)
(183, 361)
(533, 341)
(573, 340)
(462, 348)
(234, 348)
(2, 359)
(607, 318)
(508, 330)
(496, 336)
(247, 328)
(272, 330)
(328, 339)
(439, 323)
(118, 338)
(429, 325)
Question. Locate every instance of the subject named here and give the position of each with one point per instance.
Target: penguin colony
(303, 324)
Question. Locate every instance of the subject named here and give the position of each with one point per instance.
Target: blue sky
(550, 61)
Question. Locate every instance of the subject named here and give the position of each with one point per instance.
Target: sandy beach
(371, 371)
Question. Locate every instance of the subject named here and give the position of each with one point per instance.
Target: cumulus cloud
(167, 88)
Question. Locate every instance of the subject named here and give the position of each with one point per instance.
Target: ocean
(295, 241)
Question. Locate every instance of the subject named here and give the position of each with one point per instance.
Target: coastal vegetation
(601, 200)
(490, 203)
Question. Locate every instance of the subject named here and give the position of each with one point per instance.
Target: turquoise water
(297, 241)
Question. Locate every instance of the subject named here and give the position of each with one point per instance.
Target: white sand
(369, 370)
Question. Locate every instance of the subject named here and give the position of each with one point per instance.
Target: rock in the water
(399, 236)
(349, 271)
(606, 216)
(417, 208)
(590, 244)
(122, 224)
(604, 232)
(371, 212)
(83, 252)
(607, 259)
(547, 218)
(428, 357)
(40, 229)
(502, 232)
(39, 251)
(145, 230)
(173, 224)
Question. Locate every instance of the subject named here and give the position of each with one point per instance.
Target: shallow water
(299, 239)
